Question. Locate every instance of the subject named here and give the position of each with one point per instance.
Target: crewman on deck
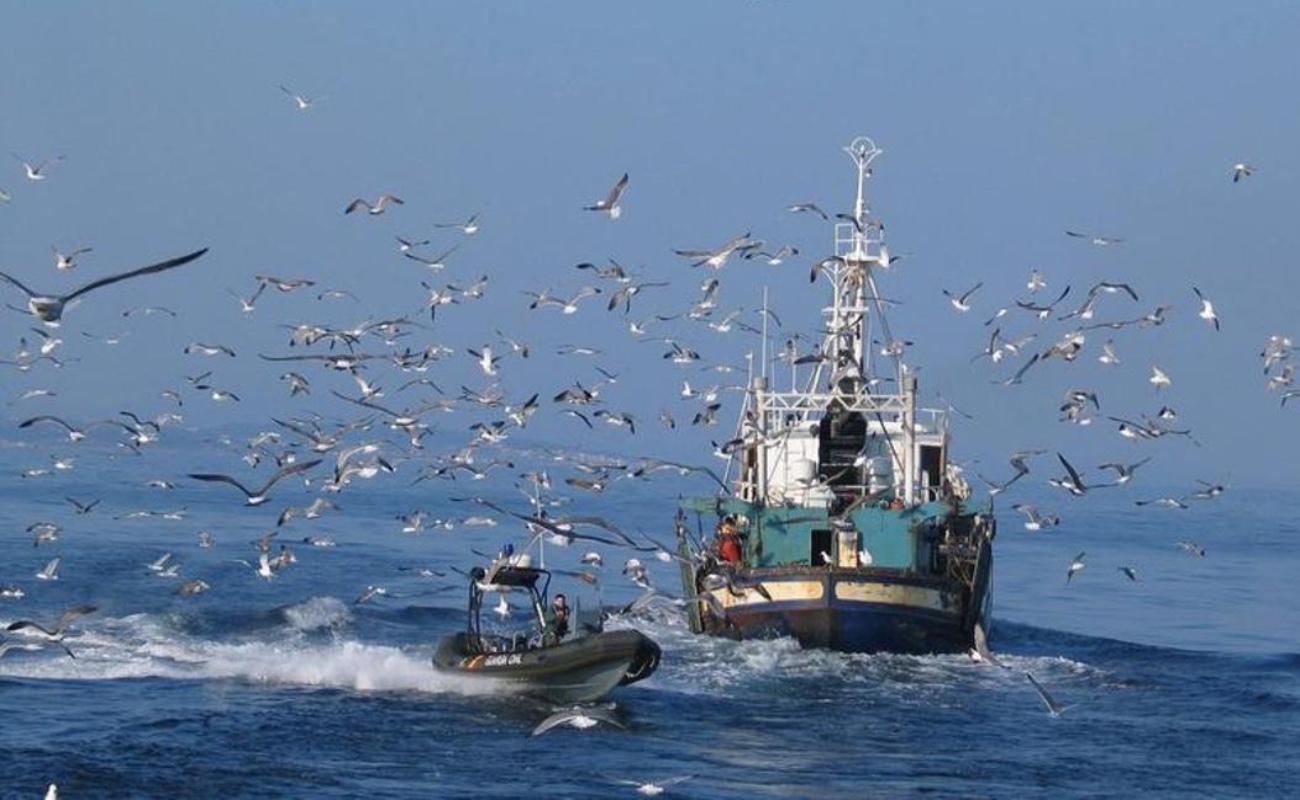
(729, 540)
(557, 627)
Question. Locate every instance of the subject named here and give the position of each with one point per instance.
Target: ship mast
(844, 385)
(856, 302)
(848, 372)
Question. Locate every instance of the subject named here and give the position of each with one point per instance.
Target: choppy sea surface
(1182, 683)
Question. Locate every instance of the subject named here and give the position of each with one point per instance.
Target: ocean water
(1184, 683)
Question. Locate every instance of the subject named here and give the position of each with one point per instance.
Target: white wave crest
(318, 613)
(147, 646)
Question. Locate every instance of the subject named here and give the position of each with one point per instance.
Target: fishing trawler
(845, 525)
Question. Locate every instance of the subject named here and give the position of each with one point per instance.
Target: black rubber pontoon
(582, 668)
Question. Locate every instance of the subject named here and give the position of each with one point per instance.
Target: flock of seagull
(1081, 406)
(374, 431)
(369, 428)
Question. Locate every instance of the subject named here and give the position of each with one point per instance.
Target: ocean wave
(318, 613)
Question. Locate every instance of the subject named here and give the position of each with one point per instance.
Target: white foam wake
(148, 646)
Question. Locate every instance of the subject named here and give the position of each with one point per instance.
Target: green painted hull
(895, 580)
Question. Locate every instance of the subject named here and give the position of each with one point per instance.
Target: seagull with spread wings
(1054, 708)
(256, 498)
(36, 172)
(48, 308)
(717, 259)
(609, 204)
(384, 201)
(66, 261)
(962, 302)
(27, 628)
(469, 227)
(302, 101)
(810, 208)
(1207, 312)
(1100, 241)
(578, 717)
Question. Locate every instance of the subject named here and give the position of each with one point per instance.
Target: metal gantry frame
(846, 373)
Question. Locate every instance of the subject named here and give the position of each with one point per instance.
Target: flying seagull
(609, 204)
(717, 259)
(809, 207)
(36, 172)
(1207, 312)
(962, 302)
(66, 261)
(1073, 482)
(1100, 241)
(1035, 521)
(49, 308)
(1124, 472)
(1075, 566)
(386, 199)
(256, 498)
(1159, 378)
(60, 629)
(653, 788)
(302, 101)
(981, 653)
(1054, 708)
(578, 717)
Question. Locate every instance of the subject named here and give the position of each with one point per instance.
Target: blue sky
(1003, 125)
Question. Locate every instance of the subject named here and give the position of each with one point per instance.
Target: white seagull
(60, 629)
(66, 261)
(1076, 565)
(51, 570)
(609, 205)
(717, 259)
(1033, 520)
(437, 262)
(653, 788)
(569, 306)
(49, 308)
(1053, 707)
(256, 498)
(385, 200)
(303, 102)
(1240, 171)
(1108, 353)
(1124, 472)
(1207, 309)
(469, 227)
(36, 172)
(487, 361)
(1072, 482)
(809, 207)
(1158, 378)
(1100, 241)
(577, 717)
(962, 302)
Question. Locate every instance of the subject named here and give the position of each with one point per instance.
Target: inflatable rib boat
(579, 668)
